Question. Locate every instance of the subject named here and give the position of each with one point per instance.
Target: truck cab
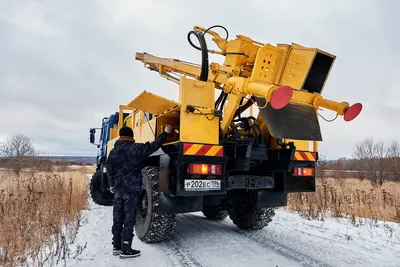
(106, 124)
(99, 188)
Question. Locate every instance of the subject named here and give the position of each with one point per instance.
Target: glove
(112, 189)
(168, 129)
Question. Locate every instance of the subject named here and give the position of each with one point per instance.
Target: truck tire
(215, 213)
(151, 226)
(95, 191)
(245, 214)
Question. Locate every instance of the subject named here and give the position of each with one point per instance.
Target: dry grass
(40, 214)
(349, 198)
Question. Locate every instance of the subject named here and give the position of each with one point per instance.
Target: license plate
(201, 185)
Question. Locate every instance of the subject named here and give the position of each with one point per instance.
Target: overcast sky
(64, 65)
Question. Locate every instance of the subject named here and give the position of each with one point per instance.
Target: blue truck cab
(99, 188)
(106, 124)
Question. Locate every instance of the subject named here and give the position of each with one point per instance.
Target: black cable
(219, 99)
(204, 53)
(223, 101)
(226, 38)
(240, 107)
(219, 26)
(198, 48)
(201, 113)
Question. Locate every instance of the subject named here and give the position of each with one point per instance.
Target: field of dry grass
(40, 209)
(349, 197)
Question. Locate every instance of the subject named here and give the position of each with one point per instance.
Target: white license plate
(201, 185)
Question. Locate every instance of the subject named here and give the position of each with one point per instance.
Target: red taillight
(201, 168)
(303, 171)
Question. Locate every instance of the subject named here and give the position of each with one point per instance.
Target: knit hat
(126, 131)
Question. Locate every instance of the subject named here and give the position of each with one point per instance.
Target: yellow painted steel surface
(196, 93)
(250, 68)
(229, 110)
(146, 132)
(300, 145)
(152, 103)
(266, 64)
(110, 145)
(128, 121)
(121, 114)
(113, 133)
(200, 126)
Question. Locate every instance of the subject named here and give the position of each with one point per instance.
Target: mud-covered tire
(151, 226)
(215, 213)
(245, 214)
(95, 191)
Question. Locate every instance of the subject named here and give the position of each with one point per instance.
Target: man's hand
(168, 129)
(112, 189)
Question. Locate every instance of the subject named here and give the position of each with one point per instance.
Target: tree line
(374, 160)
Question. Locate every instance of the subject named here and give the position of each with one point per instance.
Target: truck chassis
(240, 189)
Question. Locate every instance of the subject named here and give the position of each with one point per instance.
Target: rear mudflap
(294, 121)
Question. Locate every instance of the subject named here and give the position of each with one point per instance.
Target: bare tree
(394, 160)
(16, 149)
(377, 161)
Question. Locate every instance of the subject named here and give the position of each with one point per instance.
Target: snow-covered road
(287, 241)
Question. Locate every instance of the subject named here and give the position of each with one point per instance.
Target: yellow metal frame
(251, 68)
(201, 125)
(152, 103)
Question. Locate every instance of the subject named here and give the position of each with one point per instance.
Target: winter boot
(127, 251)
(117, 245)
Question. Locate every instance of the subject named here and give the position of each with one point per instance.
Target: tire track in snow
(204, 242)
(178, 255)
(228, 231)
(280, 248)
(262, 239)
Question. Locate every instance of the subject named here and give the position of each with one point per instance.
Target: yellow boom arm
(286, 81)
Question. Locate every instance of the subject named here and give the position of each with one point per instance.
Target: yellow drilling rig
(218, 160)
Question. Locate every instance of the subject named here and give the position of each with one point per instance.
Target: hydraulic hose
(215, 26)
(204, 53)
(221, 95)
(223, 101)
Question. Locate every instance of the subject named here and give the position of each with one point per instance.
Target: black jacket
(125, 162)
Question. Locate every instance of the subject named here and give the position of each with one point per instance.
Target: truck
(221, 159)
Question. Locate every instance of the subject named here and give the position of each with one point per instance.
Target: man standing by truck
(125, 163)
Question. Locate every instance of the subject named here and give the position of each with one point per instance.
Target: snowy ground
(288, 241)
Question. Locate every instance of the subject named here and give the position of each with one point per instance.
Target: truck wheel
(215, 213)
(151, 226)
(247, 216)
(95, 191)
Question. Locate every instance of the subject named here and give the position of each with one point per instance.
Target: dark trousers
(124, 216)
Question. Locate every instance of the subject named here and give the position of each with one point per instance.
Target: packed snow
(288, 241)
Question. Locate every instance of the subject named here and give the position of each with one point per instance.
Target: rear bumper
(243, 167)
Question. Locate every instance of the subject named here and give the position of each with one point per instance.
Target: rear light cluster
(201, 168)
(303, 171)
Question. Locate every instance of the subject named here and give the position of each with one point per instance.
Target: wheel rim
(144, 204)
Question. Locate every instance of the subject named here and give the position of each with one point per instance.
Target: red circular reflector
(352, 112)
(281, 97)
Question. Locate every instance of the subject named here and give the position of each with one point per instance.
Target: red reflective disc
(281, 97)
(352, 112)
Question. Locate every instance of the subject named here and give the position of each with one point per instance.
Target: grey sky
(66, 64)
